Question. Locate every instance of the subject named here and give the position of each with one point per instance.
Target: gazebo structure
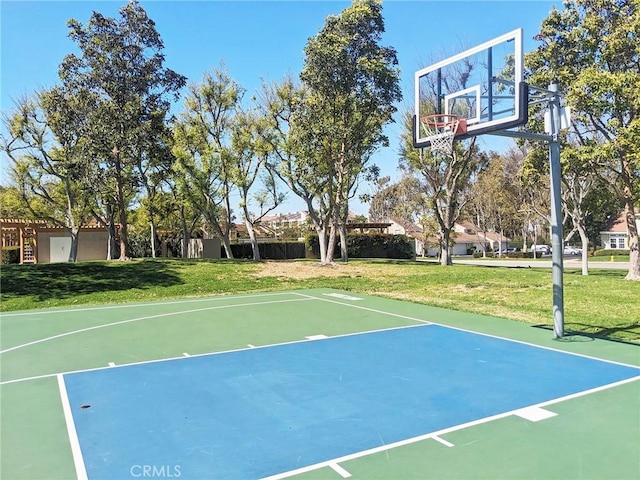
(41, 242)
(22, 233)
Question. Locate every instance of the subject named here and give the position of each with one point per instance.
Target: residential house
(466, 238)
(616, 236)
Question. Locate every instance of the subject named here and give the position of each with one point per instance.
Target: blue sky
(259, 40)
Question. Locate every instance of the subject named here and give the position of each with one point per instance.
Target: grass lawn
(602, 303)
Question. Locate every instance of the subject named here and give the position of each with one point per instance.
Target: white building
(616, 236)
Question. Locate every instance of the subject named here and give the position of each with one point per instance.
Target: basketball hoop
(440, 130)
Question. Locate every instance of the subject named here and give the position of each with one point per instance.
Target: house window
(617, 241)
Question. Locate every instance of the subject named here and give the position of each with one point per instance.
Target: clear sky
(259, 40)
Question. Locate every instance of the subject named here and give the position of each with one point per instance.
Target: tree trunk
(585, 249)
(445, 254)
(122, 210)
(343, 243)
(153, 238)
(331, 244)
(73, 251)
(185, 233)
(634, 251)
(252, 237)
(227, 246)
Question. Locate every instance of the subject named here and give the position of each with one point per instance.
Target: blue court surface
(261, 412)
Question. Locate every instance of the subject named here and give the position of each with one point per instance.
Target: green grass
(601, 304)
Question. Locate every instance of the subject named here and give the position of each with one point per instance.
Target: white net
(440, 130)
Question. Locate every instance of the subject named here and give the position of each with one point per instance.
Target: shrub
(609, 252)
(11, 254)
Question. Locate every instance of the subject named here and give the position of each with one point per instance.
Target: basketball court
(325, 384)
(310, 384)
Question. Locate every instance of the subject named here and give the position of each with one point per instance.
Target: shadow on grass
(577, 332)
(64, 280)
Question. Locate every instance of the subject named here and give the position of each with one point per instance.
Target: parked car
(569, 250)
(506, 250)
(544, 249)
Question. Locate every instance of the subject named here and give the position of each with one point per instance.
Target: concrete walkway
(570, 262)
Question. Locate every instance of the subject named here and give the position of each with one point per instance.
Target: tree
(446, 180)
(45, 144)
(494, 202)
(12, 204)
(592, 49)
(353, 85)
(403, 199)
(121, 64)
(246, 161)
(291, 145)
(202, 138)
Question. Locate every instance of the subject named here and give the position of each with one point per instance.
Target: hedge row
(509, 255)
(269, 250)
(369, 246)
(610, 252)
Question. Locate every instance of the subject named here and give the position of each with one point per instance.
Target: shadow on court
(63, 280)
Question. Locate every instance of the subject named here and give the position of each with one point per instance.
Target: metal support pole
(556, 214)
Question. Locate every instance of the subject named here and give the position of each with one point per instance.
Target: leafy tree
(403, 199)
(353, 85)
(494, 198)
(246, 160)
(446, 179)
(121, 65)
(592, 49)
(291, 152)
(45, 145)
(202, 138)
(12, 204)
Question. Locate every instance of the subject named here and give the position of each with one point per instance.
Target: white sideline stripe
(169, 359)
(443, 441)
(316, 337)
(364, 308)
(112, 364)
(135, 305)
(342, 296)
(522, 342)
(131, 320)
(438, 433)
(534, 414)
(339, 470)
(78, 461)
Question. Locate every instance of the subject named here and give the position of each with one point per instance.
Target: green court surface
(593, 434)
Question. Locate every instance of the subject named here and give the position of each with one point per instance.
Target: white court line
(78, 461)
(438, 433)
(442, 441)
(391, 314)
(112, 364)
(222, 352)
(316, 337)
(149, 317)
(135, 305)
(534, 414)
(522, 342)
(343, 296)
(339, 470)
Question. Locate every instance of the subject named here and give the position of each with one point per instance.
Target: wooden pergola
(362, 226)
(23, 233)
